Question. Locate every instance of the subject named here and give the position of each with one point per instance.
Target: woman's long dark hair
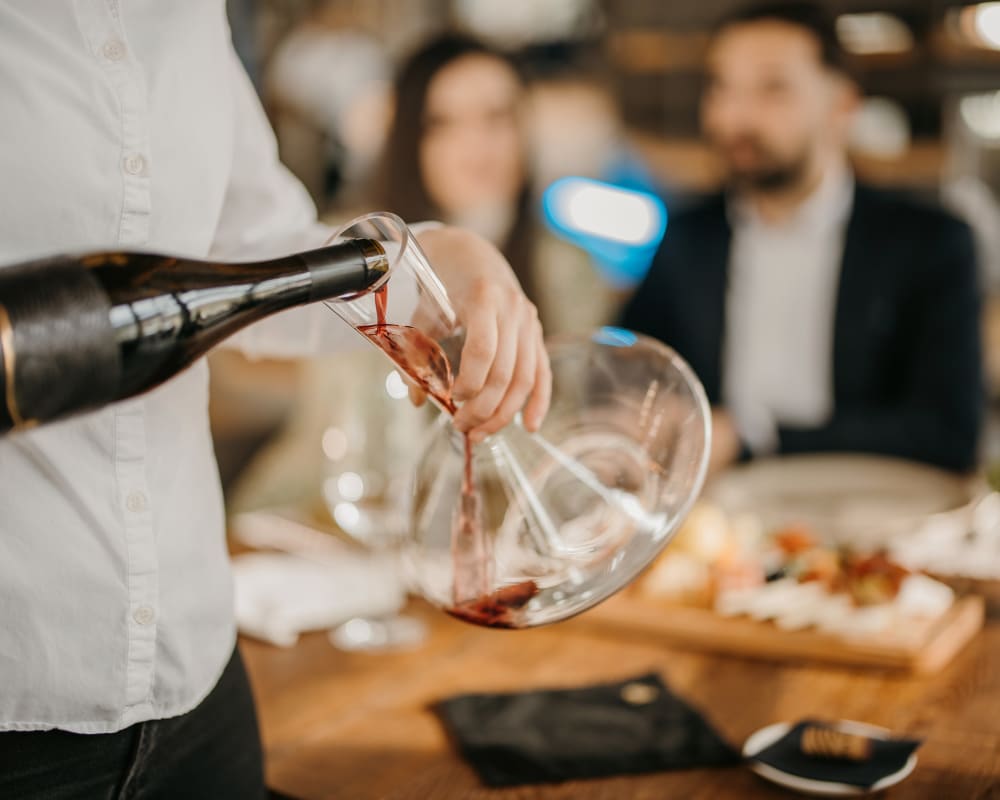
(400, 186)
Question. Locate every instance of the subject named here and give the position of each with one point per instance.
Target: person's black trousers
(212, 752)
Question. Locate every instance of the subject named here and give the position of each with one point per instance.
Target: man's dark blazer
(907, 368)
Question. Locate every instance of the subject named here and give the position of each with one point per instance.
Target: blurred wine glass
(370, 448)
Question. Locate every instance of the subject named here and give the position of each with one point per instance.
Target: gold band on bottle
(9, 363)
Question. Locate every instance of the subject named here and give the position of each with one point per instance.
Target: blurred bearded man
(820, 313)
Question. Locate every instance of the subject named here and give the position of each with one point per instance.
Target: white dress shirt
(129, 125)
(781, 302)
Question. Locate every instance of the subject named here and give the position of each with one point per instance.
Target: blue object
(620, 228)
(615, 337)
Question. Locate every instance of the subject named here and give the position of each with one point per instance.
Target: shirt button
(135, 502)
(135, 164)
(113, 50)
(144, 615)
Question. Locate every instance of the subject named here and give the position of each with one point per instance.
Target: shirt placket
(101, 23)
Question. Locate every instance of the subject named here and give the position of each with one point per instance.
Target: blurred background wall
(929, 67)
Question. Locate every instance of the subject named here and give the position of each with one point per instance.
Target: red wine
(419, 356)
(423, 360)
(381, 304)
(471, 549)
(77, 333)
(497, 610)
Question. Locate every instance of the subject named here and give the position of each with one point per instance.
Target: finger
(480, 349)
(479, 407)
(518, 390)
(541, 393)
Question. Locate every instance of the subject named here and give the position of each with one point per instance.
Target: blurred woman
(456, 149)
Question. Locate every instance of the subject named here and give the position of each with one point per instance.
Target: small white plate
(769, 735)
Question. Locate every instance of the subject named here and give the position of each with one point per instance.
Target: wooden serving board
(922, 648)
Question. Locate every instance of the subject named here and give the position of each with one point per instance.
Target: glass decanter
(527, 528)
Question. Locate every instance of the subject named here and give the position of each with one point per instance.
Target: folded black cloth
(888, 756)
(629, 727)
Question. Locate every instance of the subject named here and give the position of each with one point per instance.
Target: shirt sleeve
(268, 213)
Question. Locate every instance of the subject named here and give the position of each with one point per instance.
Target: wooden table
(356, 726)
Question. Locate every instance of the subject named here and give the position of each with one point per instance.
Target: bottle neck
(192, 306)
(80, 332)
(345, 270)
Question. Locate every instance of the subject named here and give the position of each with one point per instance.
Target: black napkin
(888, 756)
(629, 727)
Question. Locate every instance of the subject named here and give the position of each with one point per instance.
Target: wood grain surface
(357, 726)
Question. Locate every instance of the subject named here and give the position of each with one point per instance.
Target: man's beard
(773, 176)
(770, 180)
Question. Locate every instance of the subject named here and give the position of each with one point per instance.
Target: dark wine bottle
(77, 333)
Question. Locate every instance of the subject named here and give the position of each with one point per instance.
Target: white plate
(769, 735)
(842, 496)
